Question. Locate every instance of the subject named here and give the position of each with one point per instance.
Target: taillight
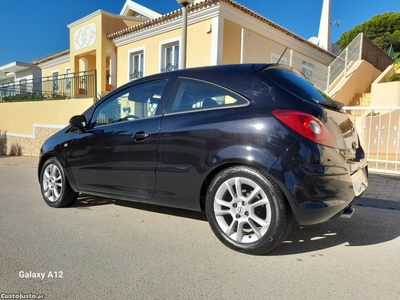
(307, 125)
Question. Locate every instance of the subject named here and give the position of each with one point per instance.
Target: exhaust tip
(348, 212)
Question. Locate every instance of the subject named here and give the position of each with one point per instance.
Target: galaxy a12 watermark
(41, 275)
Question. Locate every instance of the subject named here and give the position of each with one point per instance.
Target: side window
(68, 79)
(136, 65)
(307, 68)
(134, 103)
(191, 95)
(170, 57)
(55, 81)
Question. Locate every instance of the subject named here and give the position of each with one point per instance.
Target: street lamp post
(185, 4)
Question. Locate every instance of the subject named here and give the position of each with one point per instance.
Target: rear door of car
(117, 154)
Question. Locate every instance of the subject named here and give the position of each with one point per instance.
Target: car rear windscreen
(295, 84)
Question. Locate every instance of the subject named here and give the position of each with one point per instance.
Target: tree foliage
(383, 30)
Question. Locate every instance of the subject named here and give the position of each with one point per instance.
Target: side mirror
(78, 122)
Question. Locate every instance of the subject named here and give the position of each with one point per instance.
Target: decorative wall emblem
(85, 36)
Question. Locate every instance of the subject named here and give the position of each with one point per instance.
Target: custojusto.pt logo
(21, 296)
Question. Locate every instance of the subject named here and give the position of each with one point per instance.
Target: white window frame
(163, 45)
(131, 52)
(308, 68)
(67, 77)
(58, 80)
(275, 57)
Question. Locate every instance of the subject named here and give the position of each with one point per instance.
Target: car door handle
(140, 136)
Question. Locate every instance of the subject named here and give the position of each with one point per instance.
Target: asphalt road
(111, 250)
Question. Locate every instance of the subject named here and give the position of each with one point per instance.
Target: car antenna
(281, 56)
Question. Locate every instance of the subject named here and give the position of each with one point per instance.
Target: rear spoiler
(262, 68)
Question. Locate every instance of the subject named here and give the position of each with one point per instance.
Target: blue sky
(44, 29)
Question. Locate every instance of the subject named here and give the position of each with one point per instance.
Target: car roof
(192, 72)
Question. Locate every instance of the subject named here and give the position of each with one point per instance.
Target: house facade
(140, 42)
(108, 50)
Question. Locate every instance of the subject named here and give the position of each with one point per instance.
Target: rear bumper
(318, 182)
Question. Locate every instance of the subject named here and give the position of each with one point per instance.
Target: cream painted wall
(232, 43)
(60, 67)
(358, 81)
(383, 92)
(91, 59)
(199, 44)
(19, 117)
(386, 94)
(384, 77)
(97, 47)
(199, 50)
(97, 20)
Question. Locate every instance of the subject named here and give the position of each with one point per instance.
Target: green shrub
(24, 97)
(373, 114)
(396, 64)
(34, 97)
(395, 77)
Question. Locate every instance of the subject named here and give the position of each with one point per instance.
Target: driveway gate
(379, 131)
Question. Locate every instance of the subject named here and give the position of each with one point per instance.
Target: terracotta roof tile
(49, 57)
(176, 13)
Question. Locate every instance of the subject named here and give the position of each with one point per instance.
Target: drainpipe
(185, 4)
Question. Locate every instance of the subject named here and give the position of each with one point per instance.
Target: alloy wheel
(52, 183)
(242, 210)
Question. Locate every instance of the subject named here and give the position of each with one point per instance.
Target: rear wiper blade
(330, 103)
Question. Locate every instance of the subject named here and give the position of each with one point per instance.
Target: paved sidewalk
(383, 190)
(25, 161)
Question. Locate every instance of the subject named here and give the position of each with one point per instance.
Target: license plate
(359, 182)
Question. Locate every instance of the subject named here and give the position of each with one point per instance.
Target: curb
(377, 203)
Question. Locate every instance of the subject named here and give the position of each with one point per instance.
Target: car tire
(253, 221)
(55, 187)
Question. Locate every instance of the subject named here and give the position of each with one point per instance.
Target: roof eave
(177, 13)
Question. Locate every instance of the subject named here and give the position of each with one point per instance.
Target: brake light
(307, 125)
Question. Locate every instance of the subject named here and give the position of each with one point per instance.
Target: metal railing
(345, 60)
(136, 74)
(170, 67)
(258, 49)
(62, 86)
(379, 131)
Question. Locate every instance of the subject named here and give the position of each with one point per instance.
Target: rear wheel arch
(215, 171)
(208, 179)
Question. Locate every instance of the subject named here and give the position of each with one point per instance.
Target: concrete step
(366, 95)
(361, 99)
(365, 103)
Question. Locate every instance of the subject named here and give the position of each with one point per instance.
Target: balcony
(63, 86)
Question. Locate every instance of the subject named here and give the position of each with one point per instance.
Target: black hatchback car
(254, 146)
